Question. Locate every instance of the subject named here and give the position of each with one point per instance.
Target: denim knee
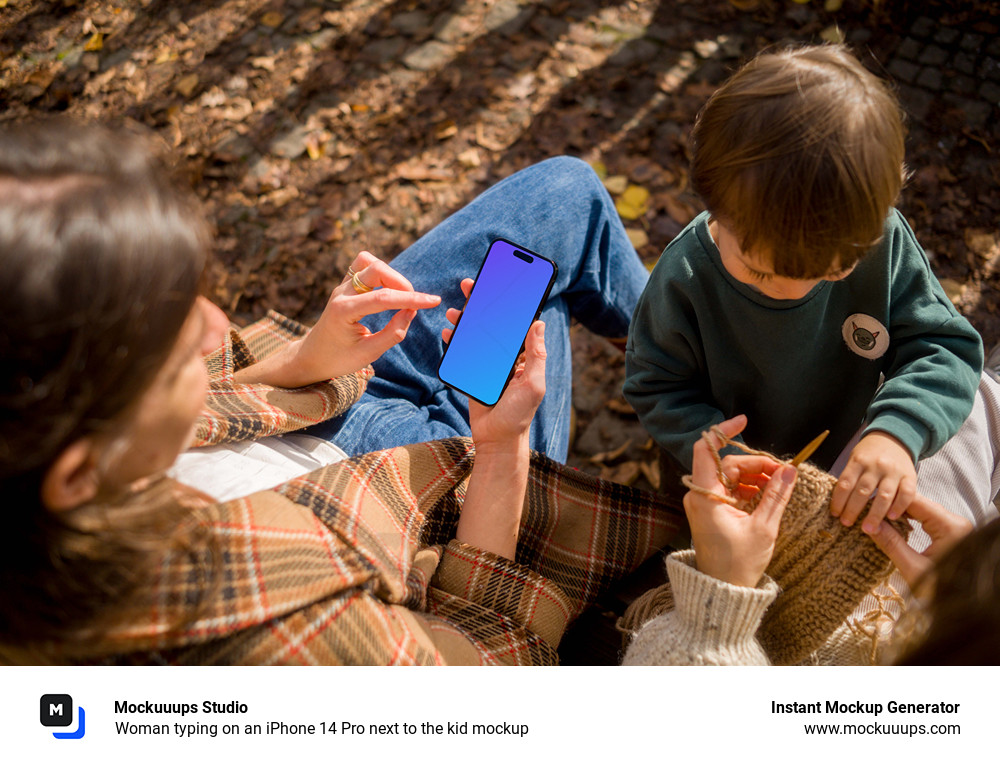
(572, 173)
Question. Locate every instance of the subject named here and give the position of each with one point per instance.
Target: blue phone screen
(511, 286)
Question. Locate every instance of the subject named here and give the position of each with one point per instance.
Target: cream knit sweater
(714, 623)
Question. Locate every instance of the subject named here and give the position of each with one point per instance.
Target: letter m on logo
(56, 710)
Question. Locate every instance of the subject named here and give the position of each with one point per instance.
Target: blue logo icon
(57, 710)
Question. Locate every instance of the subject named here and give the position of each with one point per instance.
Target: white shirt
(229, 471)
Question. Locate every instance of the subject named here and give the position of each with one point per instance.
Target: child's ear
(72, 479)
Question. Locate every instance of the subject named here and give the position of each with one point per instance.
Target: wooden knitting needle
(810, 448)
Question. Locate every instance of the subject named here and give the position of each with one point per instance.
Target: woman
(434, 552)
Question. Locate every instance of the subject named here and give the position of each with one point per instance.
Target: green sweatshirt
(704, 347)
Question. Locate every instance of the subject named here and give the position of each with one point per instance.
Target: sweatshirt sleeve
(712, 623)
(935, 356)
(664, 367)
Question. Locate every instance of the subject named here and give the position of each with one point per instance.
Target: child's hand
(881, 466)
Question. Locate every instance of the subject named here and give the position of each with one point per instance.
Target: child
(800, 289)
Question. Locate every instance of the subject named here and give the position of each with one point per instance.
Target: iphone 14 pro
(511, 287)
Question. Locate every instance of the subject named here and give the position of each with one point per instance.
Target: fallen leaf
(95, 43)
(620, 406)
(165, 55)
(637, 237)
(44, 75)
(637, 196)
(628, 212)
(488, 143)
(272, 19)
(616, 184)
(610, 457)
(600, 168)
(833, 34)
(832, 6)
(186, 85)
(315, 148)
(676, 208)
(982, 242)
(953, 289)
(416, 171)
(470, 158)
(652, 473)
(445, 129)
(263, 62)
(624, 473)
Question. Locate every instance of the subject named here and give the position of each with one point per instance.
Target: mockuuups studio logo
(57, 710)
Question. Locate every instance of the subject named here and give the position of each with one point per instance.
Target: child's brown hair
(800, 154)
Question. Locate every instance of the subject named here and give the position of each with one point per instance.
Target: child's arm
(934, 363)
(664, 381)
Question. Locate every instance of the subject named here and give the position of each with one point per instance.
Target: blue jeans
(559, 209)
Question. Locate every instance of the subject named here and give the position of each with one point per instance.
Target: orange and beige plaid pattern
(356, 563)
(242, 411)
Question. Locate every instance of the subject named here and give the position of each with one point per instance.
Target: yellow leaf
(626, 211)
(832, 6)
(164, 56)
(832, 34)
(3, 3)
(95, 43)
(616, 184)
(314, 148)
(802, 2)
(600, 168)
(186, 85)
(636, 195)
(272, 19)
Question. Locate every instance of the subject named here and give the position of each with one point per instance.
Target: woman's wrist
(491, 514)
(282, 369)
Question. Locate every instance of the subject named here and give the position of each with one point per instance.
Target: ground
(312, 130)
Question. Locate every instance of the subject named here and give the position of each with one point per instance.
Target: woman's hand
(732, 545)
(943, 527)
(338, 343)
(510, 418)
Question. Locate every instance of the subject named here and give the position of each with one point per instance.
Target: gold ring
(359, 286)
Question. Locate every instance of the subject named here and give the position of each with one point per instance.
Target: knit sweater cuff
(715, 613)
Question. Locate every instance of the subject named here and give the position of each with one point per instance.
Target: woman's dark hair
(964, 615)
(101, 256)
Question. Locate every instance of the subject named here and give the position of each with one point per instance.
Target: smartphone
(510, 289)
